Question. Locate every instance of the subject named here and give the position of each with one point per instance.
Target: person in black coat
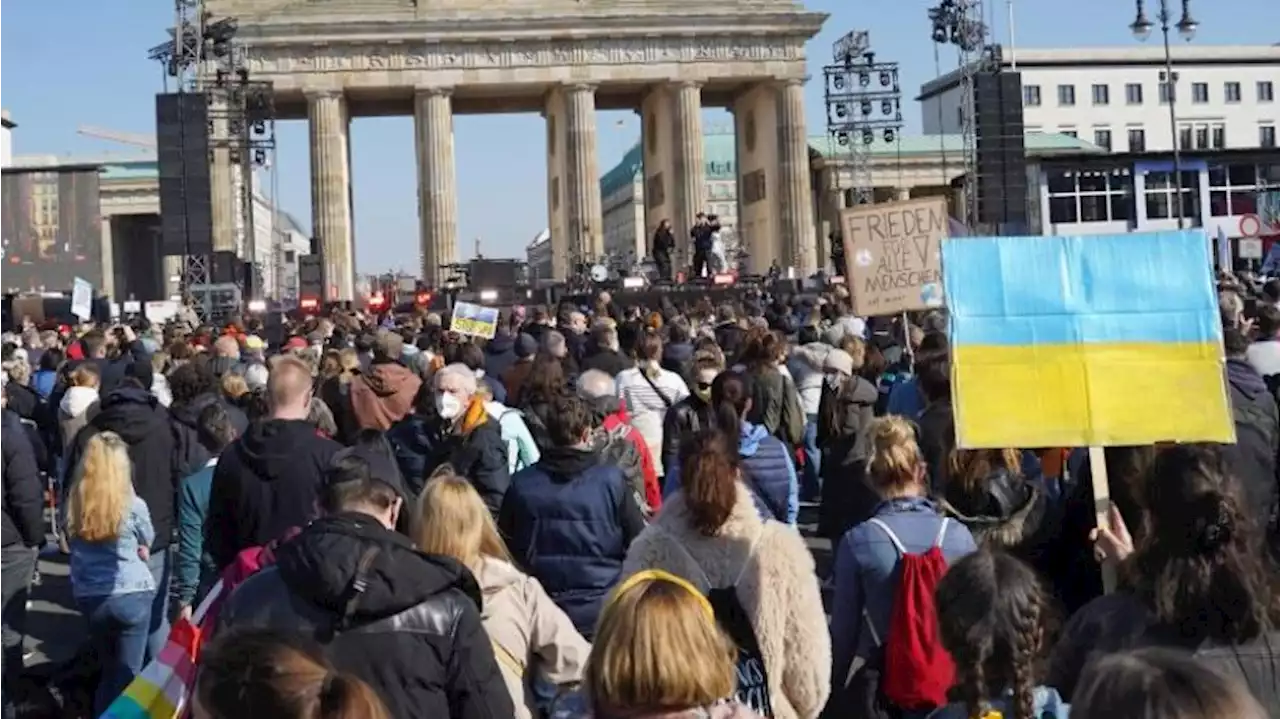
(606, 354)
(471, 441)
(267, 481)
(134, 413)
(500, 353)
(406, 622)
(194, 387)
(112, 370)
(23, 533)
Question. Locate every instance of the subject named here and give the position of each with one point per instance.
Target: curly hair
(190, 381)
(992, 613)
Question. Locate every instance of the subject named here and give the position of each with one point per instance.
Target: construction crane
(124, 138)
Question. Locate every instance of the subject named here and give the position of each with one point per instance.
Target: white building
(291, 243)
(1117, 98)
(622, 198)
(6, 138)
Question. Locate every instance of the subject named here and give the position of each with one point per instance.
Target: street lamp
(1187, 26)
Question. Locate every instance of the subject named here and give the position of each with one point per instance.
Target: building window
(1101, 95)
(1202, 137)
(1069, 132)
(1137, 139)
(1232, 90)
(1091, 196)
(1067, 95)
(1266, 91)
(1233, 189)
(1031, 95)
(1160, 194)
(1199, 92)
(1034, 130)
(1185, 136)
(1266, 136)
(1166, 92)
(1133, 94)
(1219, 141)
(1102, 138)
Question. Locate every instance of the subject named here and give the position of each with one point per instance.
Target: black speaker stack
(182, 158)
(1001, 151)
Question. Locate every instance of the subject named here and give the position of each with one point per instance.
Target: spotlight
(886, 107)
(868, 137)
(838, 82)
(259, 127)
(888, 135)
(940, 34)
(885, 78)
(259, 157)
(866, 107)
(841, 111)
(842, 139)
(864, 79)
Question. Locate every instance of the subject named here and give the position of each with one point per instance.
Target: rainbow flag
(164, 688)
(1080, 341)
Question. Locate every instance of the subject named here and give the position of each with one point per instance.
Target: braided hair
(991, 616)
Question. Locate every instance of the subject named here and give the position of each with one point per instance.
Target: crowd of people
(597, 513)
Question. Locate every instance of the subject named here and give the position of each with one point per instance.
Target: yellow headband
(662, 576)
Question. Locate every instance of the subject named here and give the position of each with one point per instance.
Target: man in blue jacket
(195, 571)
(570, 518)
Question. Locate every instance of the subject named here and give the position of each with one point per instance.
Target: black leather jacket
(413, 633)
(685, 418)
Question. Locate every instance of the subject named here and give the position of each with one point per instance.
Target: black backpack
(752, 685)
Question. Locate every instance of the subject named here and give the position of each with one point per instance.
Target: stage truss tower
(959, 23)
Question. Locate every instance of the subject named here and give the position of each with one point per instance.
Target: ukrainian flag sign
(1085, 341)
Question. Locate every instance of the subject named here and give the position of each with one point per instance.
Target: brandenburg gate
(332, 60)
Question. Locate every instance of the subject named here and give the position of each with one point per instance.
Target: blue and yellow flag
(1080, 341)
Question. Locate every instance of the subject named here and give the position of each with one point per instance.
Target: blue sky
(72, 62)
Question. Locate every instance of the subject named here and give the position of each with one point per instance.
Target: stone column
(690, 167)
(585, 241)
(902, 194)
(107, 248)
(222, 185)
(799, 246)
(437, 182)
(329, 125)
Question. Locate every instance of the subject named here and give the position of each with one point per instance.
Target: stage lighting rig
(959, 23)
(864, 100)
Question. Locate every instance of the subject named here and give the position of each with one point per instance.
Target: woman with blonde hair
(110, 534)
(868, 562)
(658, 653)
(714, 533)
(533, 639)
(276, 674)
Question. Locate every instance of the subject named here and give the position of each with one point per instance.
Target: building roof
(718, 152)
(7, 121)
(1036, 143)
(1118, 56)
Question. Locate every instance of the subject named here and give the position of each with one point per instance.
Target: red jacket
(652, 491)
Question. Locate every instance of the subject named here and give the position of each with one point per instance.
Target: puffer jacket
(532, 638)
(413, 631)
(768, 472)
(806, 366)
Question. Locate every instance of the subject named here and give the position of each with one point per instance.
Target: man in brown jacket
(384, 395)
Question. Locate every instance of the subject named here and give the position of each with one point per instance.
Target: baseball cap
(295, 343)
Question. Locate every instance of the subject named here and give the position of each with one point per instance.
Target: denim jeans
(118, 633)
(17, 567)
(161, 566)
(811, 479)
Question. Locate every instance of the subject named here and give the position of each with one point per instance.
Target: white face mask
(448, 405)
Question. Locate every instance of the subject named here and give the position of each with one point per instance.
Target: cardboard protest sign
(475, 320)
(892, 253)
(1085, 341)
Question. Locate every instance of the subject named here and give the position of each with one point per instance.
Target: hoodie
(499, 354)
(78, 406)
(190, 455)
(266, 482)
(522, 451)
(384, 396)
(1253, 456)
(767, 470)
(405, 622)
(143, 423)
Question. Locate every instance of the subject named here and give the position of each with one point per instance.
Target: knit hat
(526, 346)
